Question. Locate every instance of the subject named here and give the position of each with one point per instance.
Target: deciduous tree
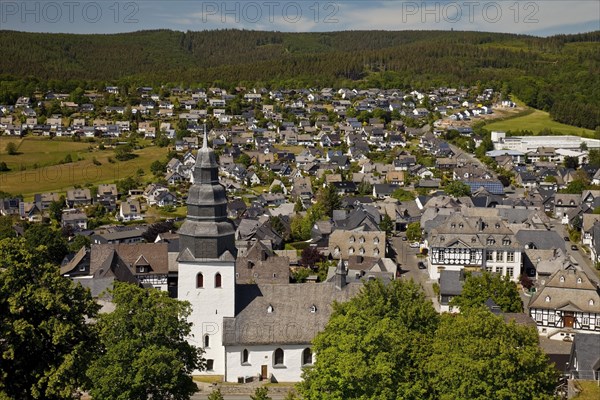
(144, 348)
(478, 288)
(386, 224)
(11, 148)
(457, 189)
(46, 342)
(54, 245)
(413, 231)
(311, 256)
(328, 200)
(477, 356)
(374, 346)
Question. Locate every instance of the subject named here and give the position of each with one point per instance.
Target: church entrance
(263, 372)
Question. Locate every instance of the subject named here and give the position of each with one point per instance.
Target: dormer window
(352, 239)
(376, 252)
(270, 309)
(460, 226)
(313, 309)
(376, 241)
(591, 302)
(453, 226)
(351, 250)
(506, 242)
(497, 225)
(579, 280)
(362, 239)
(361, 251)
(442, 239)
(473, 239)
(490, 241)
(562, 279)
(336, 250)
(547, 299)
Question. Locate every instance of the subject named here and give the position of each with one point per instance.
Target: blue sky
(542, 17)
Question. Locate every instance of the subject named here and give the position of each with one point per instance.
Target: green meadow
(38, 168)
(536, 121)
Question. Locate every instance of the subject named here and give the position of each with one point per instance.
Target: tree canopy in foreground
(45, 341)
(389, 343)
(145, 353)
(374, 346)
(477, 356)
(479, 288)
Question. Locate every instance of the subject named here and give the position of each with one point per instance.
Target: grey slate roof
(586, 350)
(291, 321)
(542, 239)
(568, 289)
(451, 282)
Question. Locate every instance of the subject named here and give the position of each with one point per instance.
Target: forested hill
(559, 74)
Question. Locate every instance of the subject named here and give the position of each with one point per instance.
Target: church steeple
(340, 275)
(207, 232)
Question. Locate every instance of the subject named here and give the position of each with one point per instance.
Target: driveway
(580, 255)
(407, 259)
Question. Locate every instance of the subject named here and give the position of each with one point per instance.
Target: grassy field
(50, 176)
(41, 151)
(535, 121)
(590, 390)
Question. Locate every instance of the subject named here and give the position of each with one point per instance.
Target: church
(246, 330)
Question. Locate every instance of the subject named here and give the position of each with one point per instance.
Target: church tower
(206, 260)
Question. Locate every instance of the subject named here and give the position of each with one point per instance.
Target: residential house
(75, 219)
(130, 211)
(565, 304)
(107, 196)
(44, 200)
(565, 205)
(345, 243)
(10, 206)
(473, 243)
(78, 197)
(152, 192)
(259, 264)
(165, 199)
(119, 234)
(141, 263)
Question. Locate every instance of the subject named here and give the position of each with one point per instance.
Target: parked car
(414, 244)
(574, 247)
(421, 265)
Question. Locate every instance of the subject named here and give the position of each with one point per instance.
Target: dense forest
(559, 74)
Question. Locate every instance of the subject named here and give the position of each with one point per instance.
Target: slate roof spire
(207, 233)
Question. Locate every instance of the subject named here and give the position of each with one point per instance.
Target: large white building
(473, 244)
(531, 143)
(252, 330)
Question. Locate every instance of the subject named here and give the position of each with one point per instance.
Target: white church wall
(259, 355)
(210, 305)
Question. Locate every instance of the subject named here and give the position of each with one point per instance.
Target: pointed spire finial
(205, 142)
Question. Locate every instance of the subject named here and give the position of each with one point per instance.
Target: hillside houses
(374, 148)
